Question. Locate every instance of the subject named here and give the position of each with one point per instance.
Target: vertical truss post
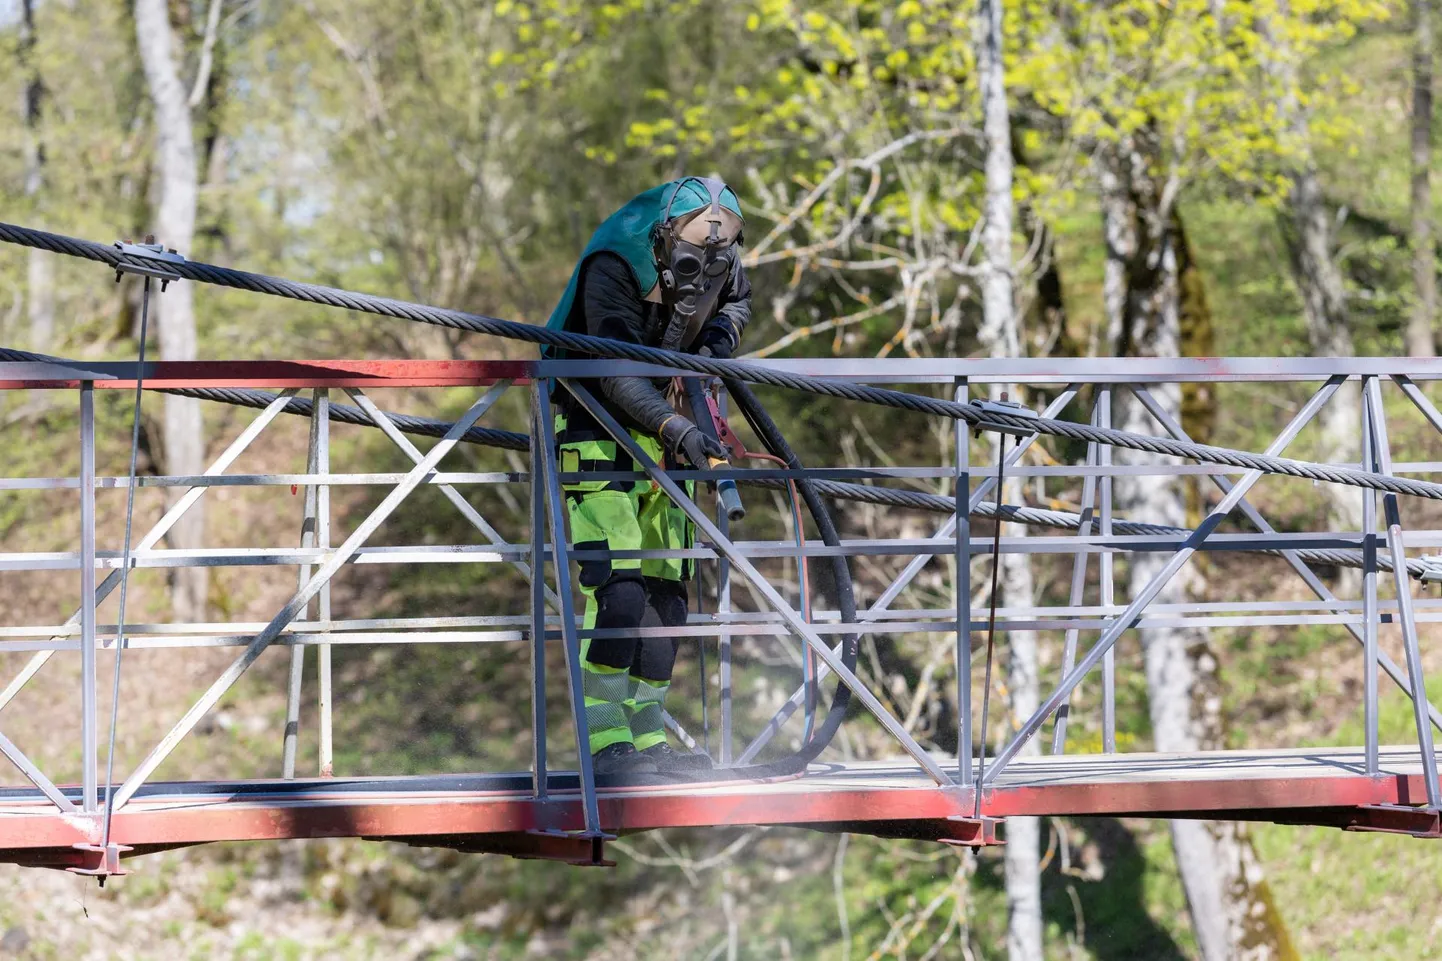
(544, 436)
(789, 616)
(309, 529)
(320, 420)
(1370, 620)
(538, 608)
(1078, 585)
(89, 741)
(1107, 579)
(961, 491)
(1405, 614)
(723, 608)
(1128, 618)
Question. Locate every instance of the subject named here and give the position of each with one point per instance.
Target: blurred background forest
(948, 178)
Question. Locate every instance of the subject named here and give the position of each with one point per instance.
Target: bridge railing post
(1370, 619)
(538, 608)
(961, 491)
(89, 740)
(1107, 578)
(1382, 454)
(320, 418)
(544, 438)
(309, 539)
(723, 610)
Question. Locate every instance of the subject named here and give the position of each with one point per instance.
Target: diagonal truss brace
(742, 565)
(907, 575)
(161, 528)
(1309, 577)
(302, 597)
(1133, 612)
(382, 420)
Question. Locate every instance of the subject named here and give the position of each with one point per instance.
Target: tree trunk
(1420, 338)
(1306, 229)
(1152, 286)
(184, 443)
(40, 266)
(1000, 334)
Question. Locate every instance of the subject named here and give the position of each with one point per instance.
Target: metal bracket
(155, 256)
(99, 861)
(1004, 408)
(1417, 822)
(1432, 572)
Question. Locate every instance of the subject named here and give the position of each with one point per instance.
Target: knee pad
(668, 599)
(619, 604)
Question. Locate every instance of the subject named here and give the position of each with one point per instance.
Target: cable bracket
(154, 258)
(992, 410)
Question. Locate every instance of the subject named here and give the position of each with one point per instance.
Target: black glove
(684, 439)
(716, 342)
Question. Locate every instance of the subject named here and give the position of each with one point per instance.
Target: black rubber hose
(770, 436)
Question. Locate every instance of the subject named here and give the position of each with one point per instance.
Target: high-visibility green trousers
(624, 679)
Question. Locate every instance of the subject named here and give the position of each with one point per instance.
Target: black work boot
(620, 761)
(670, 761)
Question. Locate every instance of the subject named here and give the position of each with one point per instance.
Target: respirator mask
(696, 253)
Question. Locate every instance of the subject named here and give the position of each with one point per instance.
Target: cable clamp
(990, 409)
(154, 256)
(1431, 568)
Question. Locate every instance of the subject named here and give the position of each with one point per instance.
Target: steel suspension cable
(125, 568)
(990, 624)
(112, 256)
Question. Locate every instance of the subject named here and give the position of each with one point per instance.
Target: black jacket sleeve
(614, 309)
(734, 311)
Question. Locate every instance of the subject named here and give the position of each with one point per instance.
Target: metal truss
(562, 813)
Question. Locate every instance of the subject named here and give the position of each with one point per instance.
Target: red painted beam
(174, 821)
(300, 373)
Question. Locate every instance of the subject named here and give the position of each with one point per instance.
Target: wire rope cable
(125, 566)
(990, 624)
(116, 258)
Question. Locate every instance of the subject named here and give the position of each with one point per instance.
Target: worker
(662, 271)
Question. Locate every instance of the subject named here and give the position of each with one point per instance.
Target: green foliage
(460, 152)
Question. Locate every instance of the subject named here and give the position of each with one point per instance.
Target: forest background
(1034, 178)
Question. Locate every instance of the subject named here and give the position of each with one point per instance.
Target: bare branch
(207, 54)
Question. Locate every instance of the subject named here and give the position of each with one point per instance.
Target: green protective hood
(628, 233)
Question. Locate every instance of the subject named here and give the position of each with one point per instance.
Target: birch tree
(1000, 336)
(1421, 330)
(40, 266)
(174, 222)
(1198, 116)
(1307, 230)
